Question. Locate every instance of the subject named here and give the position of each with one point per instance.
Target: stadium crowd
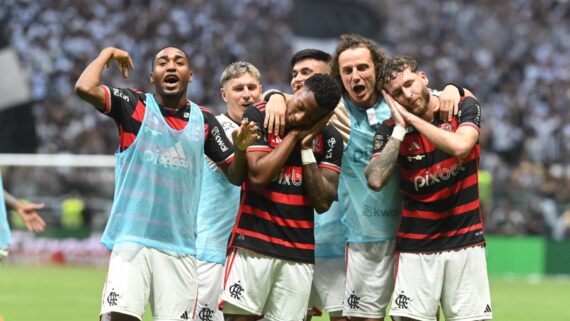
(521, 75)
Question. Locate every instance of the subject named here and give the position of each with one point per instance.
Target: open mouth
(171, 80)
(358, 89)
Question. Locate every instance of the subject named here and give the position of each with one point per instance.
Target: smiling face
(410, 90)
(358, 76)
(306, 68)
(303, 110)
(239, 93)
(171, 73)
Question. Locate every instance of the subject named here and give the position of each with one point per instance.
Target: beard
(420, 106)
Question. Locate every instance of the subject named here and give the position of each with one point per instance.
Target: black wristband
(275, 92)
(459, 88)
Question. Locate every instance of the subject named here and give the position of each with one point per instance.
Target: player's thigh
(127, 285)
(290, 291)
(327, 292)
(419, 282)
(247, 282)
(174, 285)
(369, 279)
(466, 294)
(210, 278)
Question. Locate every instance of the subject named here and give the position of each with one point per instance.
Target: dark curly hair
(326, 89)
(356, 41)
(395, 66)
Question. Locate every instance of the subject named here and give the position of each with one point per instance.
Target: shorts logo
(112, 298)
(488, 309)
(184, 315)
(236, 290)
(402, 301)
(353, 301)
(206, 314)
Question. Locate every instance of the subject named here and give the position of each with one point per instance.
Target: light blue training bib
(157, 185)
(369, 216)
(5, 236)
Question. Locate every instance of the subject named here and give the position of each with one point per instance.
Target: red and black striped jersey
(278, 220)
(127, 107)
(441, 208)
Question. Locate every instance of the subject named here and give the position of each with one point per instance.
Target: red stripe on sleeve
(330, 166)
(138, 114)
(107, 99)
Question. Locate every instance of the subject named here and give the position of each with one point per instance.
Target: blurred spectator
(520, 74)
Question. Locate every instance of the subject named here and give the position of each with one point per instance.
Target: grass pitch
(50, 293)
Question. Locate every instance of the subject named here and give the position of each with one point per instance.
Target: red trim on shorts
(330, 166)
(229, 264)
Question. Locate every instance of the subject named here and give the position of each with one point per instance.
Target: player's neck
(172, 104)
(432, 105)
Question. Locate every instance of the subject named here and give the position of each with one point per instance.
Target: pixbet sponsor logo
(440, 174)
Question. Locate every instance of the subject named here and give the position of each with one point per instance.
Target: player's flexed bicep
(88, 86)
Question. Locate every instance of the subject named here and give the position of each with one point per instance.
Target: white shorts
(369, 279)
(137, 275)
(260, 285)
(455, 279)
(327, 290)
(210, 279)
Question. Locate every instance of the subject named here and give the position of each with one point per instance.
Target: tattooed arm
(382, 165)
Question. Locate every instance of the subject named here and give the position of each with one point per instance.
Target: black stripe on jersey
(408, 184)
(271, 229)
(441, 244)
(274, 250)
(285, 211)
(466, 196)
(447, 224)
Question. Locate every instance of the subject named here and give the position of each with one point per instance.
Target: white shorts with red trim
(456, 280)
(260, 285)
(327, 290)
(137, 275)
(369, 279)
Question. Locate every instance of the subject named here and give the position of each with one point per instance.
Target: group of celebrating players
(357, 190)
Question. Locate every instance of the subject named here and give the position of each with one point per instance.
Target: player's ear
(424, 77)
(223, 94)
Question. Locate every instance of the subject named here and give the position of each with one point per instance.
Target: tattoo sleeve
(380, 168)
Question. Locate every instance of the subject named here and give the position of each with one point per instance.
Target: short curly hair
(395, 66)
(357, 41)
(326, 89)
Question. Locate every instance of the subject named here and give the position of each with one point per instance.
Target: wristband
(398, 133)
(307, 157)
(275, 92)
(460, 89)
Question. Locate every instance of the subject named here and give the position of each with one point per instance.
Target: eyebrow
(176, 57)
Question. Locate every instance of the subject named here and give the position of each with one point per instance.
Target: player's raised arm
(87, 86)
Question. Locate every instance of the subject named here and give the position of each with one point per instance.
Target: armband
(398, 133)
(275, 92)
(307, 157)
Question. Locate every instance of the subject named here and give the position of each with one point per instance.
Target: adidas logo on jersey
(173, 158)
(414, 146)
